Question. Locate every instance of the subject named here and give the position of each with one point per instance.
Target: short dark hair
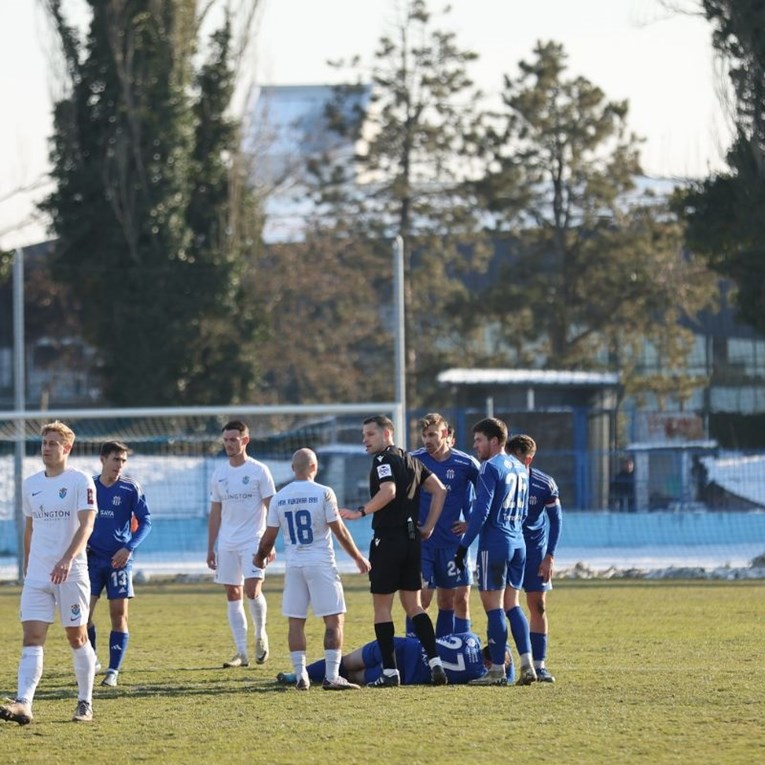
(112, 447)
(521, 444)
(381, 421)
(236, 425)
(492, 427)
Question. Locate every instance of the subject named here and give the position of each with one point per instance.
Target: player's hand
(349, 515)
(120, 558)
(211, 562)
(259, 561)
(425, 533)
(271, 556)
(60, 571)
(458, 528)
(363, 565)
(546, 568)
(459, 557)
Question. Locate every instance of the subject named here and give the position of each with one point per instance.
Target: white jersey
(241, 491)
(53, 504)
(303, 510)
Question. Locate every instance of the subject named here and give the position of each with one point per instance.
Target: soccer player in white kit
(307, 513)
(240, 492)
(60, 508)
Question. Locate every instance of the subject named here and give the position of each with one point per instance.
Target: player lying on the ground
(461, 654)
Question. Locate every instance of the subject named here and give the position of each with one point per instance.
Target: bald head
(304, 464)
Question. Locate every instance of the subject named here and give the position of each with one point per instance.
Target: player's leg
(118, 639)
(256, 600)
(519, 624)
(492, 565)
(37, 612)
(423, 629)
(229, 574)
(119, 590)
(536, 601)
(73, 599)
(98, 573)
(445, 618)
(295, 601)
(428, 583)
(462, 622)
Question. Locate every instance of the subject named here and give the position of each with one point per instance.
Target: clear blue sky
(661, 62)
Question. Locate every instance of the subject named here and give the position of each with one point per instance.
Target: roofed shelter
(570, 414)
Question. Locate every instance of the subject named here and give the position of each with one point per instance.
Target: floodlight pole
(399, 318)
(19, 381)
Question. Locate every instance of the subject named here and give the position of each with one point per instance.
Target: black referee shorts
(395, 562)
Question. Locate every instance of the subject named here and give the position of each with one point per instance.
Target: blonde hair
(61, 428)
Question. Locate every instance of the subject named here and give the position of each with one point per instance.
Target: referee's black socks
(423, 628)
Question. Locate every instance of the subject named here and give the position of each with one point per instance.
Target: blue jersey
(458, 473)
(460, 654)
(117, 504)
(500, 505)
(542, 526)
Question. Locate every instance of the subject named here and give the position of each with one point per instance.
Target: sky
(661, 62)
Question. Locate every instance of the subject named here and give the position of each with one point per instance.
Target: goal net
(173, 455)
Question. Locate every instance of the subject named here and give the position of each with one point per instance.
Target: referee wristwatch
(363, 512)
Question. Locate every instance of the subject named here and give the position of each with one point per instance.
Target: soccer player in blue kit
(461, 654)
(497, 519)
(115, 537)
(458, 473)
(541, 531)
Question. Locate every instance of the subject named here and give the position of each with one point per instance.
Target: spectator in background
(623, 488)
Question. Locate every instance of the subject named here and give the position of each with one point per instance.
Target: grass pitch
(648, 672)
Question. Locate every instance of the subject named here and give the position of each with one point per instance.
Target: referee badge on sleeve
(384, 471)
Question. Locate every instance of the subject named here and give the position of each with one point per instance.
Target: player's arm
(555, 516)
(27, 541)
(139, 531)
(432, 484)
(487, 482)
(86, 520)
(213, 527)
(346, 542)
(263, 556)
(383, 498)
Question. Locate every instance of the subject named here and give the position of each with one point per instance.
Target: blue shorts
(118, 581)
(439, 570)
(500, 567)
(532, 582)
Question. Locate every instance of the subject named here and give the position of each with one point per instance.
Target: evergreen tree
(144, 203)
(724, 213)
(596, 270)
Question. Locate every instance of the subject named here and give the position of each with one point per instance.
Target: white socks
(332, 657)
(259, 610)
(298, 662)
(237, 620)
(30, 672)
(84, 671)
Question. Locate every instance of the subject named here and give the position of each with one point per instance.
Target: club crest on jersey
(62, 493)
(117, 501)
(384, 471)
(246, 480)
(449, 474)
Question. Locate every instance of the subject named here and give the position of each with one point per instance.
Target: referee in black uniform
(394, 485)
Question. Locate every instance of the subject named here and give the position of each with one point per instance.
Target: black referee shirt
(408, 473)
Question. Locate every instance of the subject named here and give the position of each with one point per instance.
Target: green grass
(648, 672)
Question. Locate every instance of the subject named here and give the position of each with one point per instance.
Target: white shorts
(234, 566)
(317, 585)
(39, 601)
